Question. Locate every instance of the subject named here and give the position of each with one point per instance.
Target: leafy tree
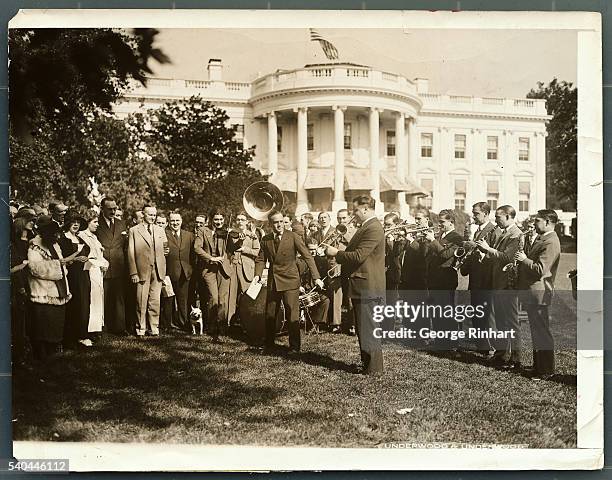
(561, 143)
(66, 160)
(66, 74)
(201, 163)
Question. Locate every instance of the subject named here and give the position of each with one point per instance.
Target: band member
(392, 271)
(343, 218)
(348, 320)
(479, 268)
(505, 299)
(363, 263)
(441, 276)
(213, 247)
(147, 250)
(280, 249)
(180, 269)
(243, 259)
(305, 219)
(317, 314)
(536, 279)
(325, 228)
(288, 221)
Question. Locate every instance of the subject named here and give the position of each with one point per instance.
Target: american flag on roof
(330, 51)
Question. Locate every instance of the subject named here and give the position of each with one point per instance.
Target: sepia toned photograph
(353, 238)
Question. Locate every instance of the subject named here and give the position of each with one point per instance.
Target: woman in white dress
(97, 266)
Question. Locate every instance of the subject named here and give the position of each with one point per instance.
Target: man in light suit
(505, 297)
(280, 249)
(179, 268)
(147, 250)
(363, 264)
(112, 234)
(479, 268)
(536, 282)
(214, 248)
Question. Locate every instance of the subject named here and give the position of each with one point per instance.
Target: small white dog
(195, 317)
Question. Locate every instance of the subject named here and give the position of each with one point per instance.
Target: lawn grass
(185, 389)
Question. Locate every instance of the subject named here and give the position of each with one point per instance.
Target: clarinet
(512, 267)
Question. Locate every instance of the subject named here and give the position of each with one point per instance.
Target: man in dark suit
(479, 268)
(441, 276)
(280, 249)
(505, 298)
(214, 247)
(112, 234)
(179, 269)
(363, 263)
(536, 281)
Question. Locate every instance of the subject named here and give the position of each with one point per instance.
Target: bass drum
(253, 317)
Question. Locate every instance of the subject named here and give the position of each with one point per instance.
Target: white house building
(328, 132)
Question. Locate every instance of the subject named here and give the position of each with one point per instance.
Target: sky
(504, 63)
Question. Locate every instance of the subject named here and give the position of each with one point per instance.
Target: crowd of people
(74, 276)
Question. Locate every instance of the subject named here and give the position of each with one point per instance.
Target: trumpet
(410, 229)
(334, 237)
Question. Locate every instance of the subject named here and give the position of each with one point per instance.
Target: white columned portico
(401, 160)
(375, 157)
(272, 147)
(302, 160)
(413, 149)
(339, 201)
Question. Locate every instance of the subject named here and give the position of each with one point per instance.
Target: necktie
(112, 226)
(149, 228)
(277, 239)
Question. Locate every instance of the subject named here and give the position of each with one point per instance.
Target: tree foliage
(562, 141)
(201, 163)
(69, 73)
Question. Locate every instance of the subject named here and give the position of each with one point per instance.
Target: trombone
(410, 229)
(334, 237)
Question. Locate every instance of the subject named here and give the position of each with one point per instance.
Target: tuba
(261, 198)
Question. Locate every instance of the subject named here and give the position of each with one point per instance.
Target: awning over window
(319, 178)
(286, 180)
(357, 179)
(390, 182)
(524, 187)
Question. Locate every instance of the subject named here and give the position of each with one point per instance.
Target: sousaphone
(261, 198)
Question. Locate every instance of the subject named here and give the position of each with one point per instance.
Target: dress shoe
(270, 349)
(335, 329)
(542, 377)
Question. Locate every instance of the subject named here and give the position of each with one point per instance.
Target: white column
(509, 161)
(401, 160)
(302, 160)
(413, 149)
(338, 201)
(272, 139)
(540, 175)
(374, 156)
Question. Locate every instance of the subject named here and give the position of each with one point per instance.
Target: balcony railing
(340, 75)
(522, 106)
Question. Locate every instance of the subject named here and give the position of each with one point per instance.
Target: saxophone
(512, 267)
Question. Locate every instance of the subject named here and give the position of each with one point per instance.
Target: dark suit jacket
(538, 271)
(393, 262)
(205, 248)
(440, 272)
(480, 272)
(413, 273)
(180, 257)
(114, 246)
(506, 245)
(283, 268)
(363, 262)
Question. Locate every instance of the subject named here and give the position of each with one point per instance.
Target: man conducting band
(280, 249)
(536, 279)
(363, 262)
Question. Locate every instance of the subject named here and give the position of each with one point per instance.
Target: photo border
(589, 453)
